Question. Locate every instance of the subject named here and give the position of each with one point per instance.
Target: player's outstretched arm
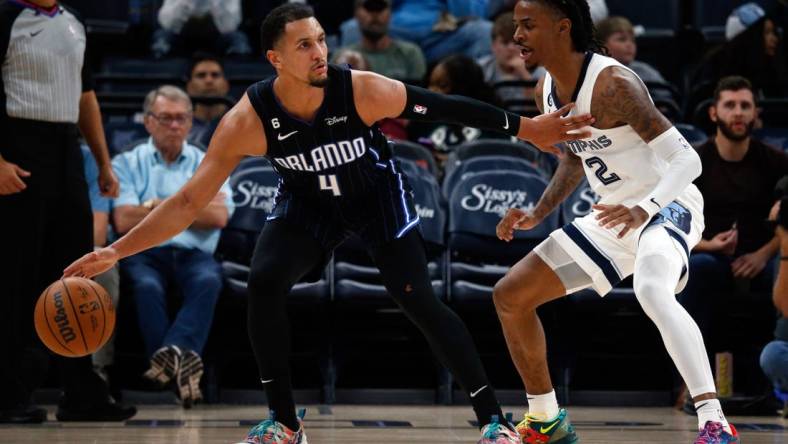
(379, 97)
(239, 134)
(621, 98)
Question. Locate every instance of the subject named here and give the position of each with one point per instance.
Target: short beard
(375, 33)
(728, 132)
(319, 83)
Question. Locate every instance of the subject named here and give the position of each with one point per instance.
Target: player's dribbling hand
(515, 219)
(546, 130)
(92, 264)
(611, 216)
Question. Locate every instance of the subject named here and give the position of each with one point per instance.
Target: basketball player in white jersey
(648, 219)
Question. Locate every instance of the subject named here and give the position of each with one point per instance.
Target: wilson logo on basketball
(61, 319)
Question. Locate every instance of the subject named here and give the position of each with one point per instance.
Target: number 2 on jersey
(600, 172)
(329, 183)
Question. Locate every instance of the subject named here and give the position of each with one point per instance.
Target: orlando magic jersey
(337, 174)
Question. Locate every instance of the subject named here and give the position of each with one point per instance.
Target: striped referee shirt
(43, 69)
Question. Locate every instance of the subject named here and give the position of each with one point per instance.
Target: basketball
(74, 317)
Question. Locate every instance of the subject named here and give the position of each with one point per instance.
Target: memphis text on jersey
(579, 146)
(330, 155)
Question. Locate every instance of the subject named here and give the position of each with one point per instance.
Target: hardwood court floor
(375, 424)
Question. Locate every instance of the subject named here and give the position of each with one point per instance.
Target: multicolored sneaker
(556, 431)
(714, 433)
(497, 433)
(271, 432)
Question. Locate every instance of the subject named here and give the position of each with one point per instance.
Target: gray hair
(169, 92)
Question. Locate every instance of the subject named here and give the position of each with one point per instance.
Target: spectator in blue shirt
(440, 27)
(148, 174)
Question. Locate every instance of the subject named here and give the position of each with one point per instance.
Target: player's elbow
(188, 204)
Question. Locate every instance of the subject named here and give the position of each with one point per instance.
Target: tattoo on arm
(620, 98)
(539, 94)
(565, 180)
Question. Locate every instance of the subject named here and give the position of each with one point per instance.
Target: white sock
(711, 410)
(543, 407)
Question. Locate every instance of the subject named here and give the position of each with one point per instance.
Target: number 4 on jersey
(329, 183)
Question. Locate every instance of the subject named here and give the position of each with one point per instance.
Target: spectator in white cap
(741, 18)
(753, 50)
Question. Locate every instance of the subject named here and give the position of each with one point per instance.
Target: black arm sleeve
(426, 105)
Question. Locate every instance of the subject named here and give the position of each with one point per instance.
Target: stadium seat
(121, 135)
(416, 153)
(776, 137)
(477, 257)
(579, 203)
(498, 147)
(695, 136)
(486, 163)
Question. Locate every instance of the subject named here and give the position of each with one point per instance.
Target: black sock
(485, 405)
(280, 401)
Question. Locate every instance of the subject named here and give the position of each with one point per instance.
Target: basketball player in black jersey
(316, 123)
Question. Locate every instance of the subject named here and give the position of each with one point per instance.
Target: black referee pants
(42, 229)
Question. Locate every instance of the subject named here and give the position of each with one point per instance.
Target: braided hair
(583, 31)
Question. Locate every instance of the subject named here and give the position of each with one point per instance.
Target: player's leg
(283, 255)
(403, 266)
(543, 275)
(527, 285)
(658, 267)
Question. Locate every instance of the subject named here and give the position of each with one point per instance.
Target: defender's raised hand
(546, 130)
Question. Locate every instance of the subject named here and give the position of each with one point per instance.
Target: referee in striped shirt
(46, 100)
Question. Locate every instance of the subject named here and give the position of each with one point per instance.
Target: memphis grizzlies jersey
(621, 168)
(335, 156)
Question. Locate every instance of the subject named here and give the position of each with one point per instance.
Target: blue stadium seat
(254, 183)
(579, 203)
(486, 163)
(777, 137)
(121, 135)
(403, 149)
(694, 135)
(499, 147)
(477, 257)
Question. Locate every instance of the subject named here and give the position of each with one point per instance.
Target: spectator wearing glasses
(207, 86)
(184, 265)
